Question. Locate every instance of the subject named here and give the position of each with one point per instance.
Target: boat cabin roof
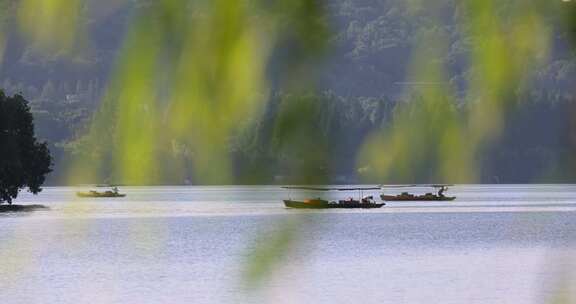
(330, 188)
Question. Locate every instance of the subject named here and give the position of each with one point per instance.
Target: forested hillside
(363, 83)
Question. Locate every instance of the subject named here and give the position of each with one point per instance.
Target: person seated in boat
(115, 190)
(368, 199)
(346, 201)
(441, 191)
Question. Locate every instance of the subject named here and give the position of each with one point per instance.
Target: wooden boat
(317, 203)
(411, 197)
(103, 194)
(405, 196)
(321, 204)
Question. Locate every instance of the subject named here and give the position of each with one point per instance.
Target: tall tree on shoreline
(24, 162)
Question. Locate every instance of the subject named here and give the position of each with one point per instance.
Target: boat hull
(329, 205)
(415, 198)
(98, 195)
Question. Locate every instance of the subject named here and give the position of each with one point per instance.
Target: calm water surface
(495, 244)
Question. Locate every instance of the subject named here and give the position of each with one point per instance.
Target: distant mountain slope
(361, 84)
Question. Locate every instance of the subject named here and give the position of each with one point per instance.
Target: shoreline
(22, 208)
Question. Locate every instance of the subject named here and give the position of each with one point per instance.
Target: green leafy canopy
(24, 162)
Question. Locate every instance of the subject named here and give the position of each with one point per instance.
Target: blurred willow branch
(191, 76)
(6, 7)
(435, 136)
(51, 24)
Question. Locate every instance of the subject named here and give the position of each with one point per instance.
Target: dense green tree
(24, 162)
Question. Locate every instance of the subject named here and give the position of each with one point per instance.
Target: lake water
(494, 244)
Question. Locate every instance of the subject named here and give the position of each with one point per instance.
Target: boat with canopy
(364, 202)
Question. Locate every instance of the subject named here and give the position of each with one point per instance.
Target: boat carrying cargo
(367, 202)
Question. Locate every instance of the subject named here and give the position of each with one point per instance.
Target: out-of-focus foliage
(54, 25)
(4, 7)
(370, 47)
(507, 42)
(273, 248)
(192, 75)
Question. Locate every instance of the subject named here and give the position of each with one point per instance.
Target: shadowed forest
(363, 88)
